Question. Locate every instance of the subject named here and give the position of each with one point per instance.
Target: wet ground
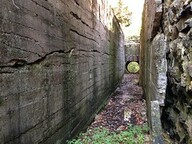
(125, 107)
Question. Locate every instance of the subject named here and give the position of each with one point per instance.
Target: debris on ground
(122, 120)
(125, 107)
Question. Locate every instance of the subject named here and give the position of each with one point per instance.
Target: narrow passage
(125, 109)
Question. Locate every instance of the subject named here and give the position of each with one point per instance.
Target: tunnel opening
(132, 67)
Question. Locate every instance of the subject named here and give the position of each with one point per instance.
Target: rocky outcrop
(59, 62)
(177, 114)
(166, 65)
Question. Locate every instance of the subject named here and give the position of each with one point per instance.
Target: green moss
(133, 67)
(134, 135)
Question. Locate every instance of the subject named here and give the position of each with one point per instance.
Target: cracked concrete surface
(58, 63)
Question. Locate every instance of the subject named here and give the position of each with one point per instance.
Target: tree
(122, 13)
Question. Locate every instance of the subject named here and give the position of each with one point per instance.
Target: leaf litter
(125, 107)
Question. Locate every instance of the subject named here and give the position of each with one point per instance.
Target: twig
(71, 51)
(15, 4)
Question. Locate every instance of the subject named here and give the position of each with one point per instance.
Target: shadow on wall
(116, 52)
(57, 67)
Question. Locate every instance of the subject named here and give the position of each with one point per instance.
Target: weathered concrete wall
(59, 61)
(153, 64)
(132, 50)
(166, 66)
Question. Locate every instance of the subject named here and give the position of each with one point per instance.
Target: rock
(189, 125)
(190, 34)
(181, 26)
(171, 16)
(189, 69)
(177, 29)
(188, 22)
(127, 114)
(173, 32)
(156, 123)
(121, 128)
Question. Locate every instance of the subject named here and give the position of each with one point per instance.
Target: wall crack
(18, 63)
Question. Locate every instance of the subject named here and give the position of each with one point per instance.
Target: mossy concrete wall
(153, 64)
(59, 61)
(166, 66)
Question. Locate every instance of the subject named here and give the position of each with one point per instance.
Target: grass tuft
(134, 135)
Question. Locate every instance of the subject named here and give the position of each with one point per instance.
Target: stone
(174, 32)
(189, 69)
(181, 26)
(171, 16)
(190, 34)
(189, 125)
(176, 28)
(189, 22)
(156, 123)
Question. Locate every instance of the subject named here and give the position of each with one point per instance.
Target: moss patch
(101, 135)
(133, 67)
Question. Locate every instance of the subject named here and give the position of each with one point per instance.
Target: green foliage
(134, 135)
(122, 13)
(133, 67)
(133, 38)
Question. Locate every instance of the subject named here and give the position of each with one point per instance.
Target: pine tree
(122, 13)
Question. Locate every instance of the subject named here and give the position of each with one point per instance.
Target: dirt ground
(125, 107)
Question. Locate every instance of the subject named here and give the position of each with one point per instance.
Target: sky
(136, 7)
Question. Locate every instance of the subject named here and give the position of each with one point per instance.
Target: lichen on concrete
(57, 67)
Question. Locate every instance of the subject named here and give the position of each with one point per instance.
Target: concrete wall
(166, 67)
(153, 64)
(59, 62)
(132, 50)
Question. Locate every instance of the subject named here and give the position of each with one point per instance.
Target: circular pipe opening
(132, 66)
